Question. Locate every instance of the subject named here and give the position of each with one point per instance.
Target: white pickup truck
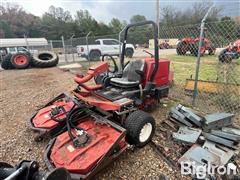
(103, 46)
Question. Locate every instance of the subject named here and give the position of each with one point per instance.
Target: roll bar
(156, 50)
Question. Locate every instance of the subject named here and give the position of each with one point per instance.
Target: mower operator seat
(132, 76)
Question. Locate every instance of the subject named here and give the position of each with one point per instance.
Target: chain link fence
(218, 82)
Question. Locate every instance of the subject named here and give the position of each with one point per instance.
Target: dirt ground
(23, 91)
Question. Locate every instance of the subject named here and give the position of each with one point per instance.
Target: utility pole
(157, 14)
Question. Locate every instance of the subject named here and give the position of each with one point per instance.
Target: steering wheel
(112, 65)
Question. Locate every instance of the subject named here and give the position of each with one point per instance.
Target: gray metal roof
(13, 42)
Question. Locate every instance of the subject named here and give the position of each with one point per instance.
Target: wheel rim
(20, 60)
(145, 132)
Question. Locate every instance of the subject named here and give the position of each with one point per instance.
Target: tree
(59, 14)
(139, 35)
(193, 15)
(137, 18)
(56, 23)
(116, 25)
(5, 30)
(86, 22)
(18, 21)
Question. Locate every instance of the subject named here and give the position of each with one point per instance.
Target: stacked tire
(24, 60)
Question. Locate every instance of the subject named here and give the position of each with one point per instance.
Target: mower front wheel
(140, 128)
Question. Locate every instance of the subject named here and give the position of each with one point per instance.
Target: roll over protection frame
(156, 50)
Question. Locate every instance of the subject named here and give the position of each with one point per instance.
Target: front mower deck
(106, 142)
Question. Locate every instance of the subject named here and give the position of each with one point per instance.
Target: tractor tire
(194, 49)
(45, 59)
(211, 50)
(95, 55)
(6, 62)
(140, 128)
(182, 48)
(20, 60)
(223, 58)
(129, 52)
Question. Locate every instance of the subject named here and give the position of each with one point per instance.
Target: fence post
(72, 47)
(88, 46)
(51, 45)
(64, 49)
(27, 45)
(201, 39)
(120, 49)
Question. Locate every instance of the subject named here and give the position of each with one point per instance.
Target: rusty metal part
(163, 156)
(217, 120)
(170, 124)
(187, 134)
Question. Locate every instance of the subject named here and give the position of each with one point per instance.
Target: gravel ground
(23, 91)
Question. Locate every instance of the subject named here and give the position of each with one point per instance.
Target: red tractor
(189, 44)
(92, 125)
(232, 51)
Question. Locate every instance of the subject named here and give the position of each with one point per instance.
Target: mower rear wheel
(140, 128)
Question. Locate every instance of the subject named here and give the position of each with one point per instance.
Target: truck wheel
(20, 60)
(45, 59)
(140, 128)
(6, 62)
(95, 55)
(129, 53)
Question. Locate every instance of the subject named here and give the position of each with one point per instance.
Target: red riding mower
(92, 125)
(232, 51)
(191, 45)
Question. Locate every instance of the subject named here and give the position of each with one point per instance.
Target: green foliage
(137, 18)
(5, 30)
(18, 22)
(116, 25)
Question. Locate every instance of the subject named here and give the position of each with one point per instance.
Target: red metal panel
(43, 119)
(82, 160)
(162, 76)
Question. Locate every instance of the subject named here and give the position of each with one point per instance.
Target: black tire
(211, 50)
(182, 48)
(194, 49)
(129, 52)
(6, 62)
(95, 55)
(20, 64)
(45, 59)
(223, 58)
(135, 123)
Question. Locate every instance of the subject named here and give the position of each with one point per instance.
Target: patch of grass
(184, 67)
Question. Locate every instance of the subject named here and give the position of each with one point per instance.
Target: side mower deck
(106, 142)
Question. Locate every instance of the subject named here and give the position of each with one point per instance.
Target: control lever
(148, 53)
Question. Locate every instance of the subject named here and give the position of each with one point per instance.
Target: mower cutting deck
(92, 125)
